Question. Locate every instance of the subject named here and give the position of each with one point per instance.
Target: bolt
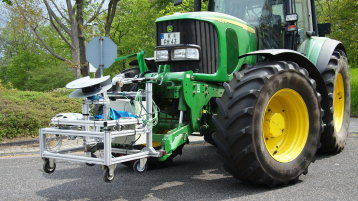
(275, 152)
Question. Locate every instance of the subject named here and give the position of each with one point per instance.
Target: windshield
(266, 15)
(250, 11)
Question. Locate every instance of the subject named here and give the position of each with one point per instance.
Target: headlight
(161, 55)
(186, 54)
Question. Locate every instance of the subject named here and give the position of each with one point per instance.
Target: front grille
(198, 33)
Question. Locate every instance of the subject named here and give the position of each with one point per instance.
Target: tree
(69, 22)
(343, 16)
(26, 65)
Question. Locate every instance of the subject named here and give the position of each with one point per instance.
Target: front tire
(336, 77)
(268, 123)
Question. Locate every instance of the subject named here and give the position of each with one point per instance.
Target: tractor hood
(221, 39)
(213, 17)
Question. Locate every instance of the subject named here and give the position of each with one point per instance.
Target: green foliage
(187, 5)
(134, 30)
(134, 27)
(354, 91)
(25, 65)
(7, 2)
(22, 113)
(343, 16)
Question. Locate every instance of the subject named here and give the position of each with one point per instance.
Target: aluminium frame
(103, 133)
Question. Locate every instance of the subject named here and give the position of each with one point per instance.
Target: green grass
(354, 91)
(22, 113)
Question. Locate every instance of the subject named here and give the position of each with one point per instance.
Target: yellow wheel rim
(285, 125)
(338, 102)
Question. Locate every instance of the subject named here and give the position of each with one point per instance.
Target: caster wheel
(137, 168)
(106, 176)
(91, 164)
(46, 166)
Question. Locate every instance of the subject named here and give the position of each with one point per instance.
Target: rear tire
(242, 132)
(336, 77)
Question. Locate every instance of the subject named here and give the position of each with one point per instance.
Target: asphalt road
(196, 175)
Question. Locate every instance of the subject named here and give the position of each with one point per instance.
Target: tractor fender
(302, 61)
(290, 55)
(326, 52)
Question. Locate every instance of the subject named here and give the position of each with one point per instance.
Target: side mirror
(177, 2)
(323, 29)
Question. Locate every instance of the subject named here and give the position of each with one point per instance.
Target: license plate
(170, 38)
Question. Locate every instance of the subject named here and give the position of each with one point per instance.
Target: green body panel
(197, 95)
(172, 140)
(312, 47)
(246, 36)
(192, 97)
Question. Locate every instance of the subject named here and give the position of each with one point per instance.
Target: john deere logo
(170, 28)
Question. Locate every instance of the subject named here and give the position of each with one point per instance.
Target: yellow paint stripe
(244, 26)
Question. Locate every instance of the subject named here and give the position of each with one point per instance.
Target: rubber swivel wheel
(138, 169)
(46, 166)
(106, 175)
(268, 123)
(336, 77)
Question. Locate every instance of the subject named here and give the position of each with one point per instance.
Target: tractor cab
(279, 23)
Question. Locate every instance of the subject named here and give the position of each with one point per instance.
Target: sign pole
(101, 63)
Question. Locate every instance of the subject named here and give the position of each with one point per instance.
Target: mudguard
(301, 60)
(291, 55)
(319, 50)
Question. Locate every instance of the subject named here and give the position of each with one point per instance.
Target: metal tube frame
(106, 135)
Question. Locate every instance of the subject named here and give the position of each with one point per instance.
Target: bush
(22, 113)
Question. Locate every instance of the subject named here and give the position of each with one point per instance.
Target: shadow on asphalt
(198, 174)
(320, 156)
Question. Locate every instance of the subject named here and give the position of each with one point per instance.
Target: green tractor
(259, 81)
(256, 78)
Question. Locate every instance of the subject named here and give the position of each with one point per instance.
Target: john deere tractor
(256, 78)
(259, 81)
